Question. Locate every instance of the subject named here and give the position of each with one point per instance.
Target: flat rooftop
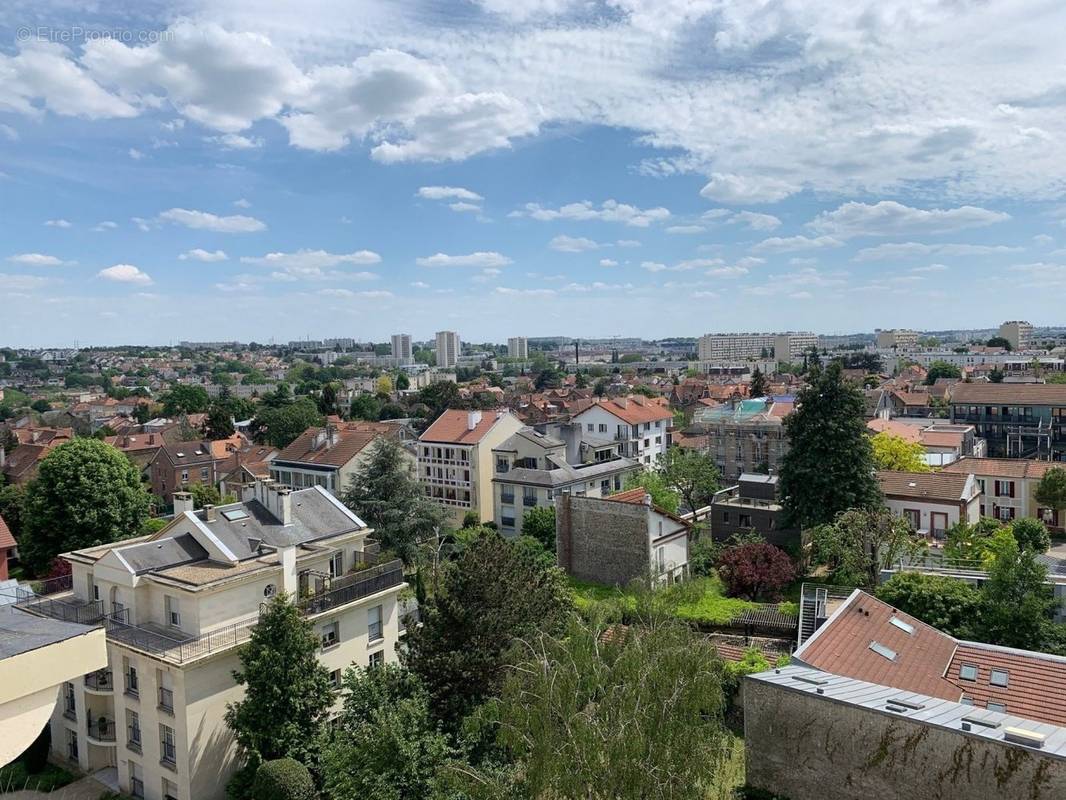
(21, 632)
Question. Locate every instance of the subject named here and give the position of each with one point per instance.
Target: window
(968, 672)
(884, 652)
(173, 615)
(168, 751)
(170, 790)
(744, 520)
(725, 517)
(335, 678)
(330, 635)
(658, 440)
(603, 427)
(72, 745)
(507, 522)
(1002, 709)
(133, 731)
(591, 427)
(185, 476)
(605, 487)
(906, 627)
(647, 426)
(617, 483)
(374, 624)
(501, 465)
(132, 687)
(376, 659)
(69, 706)
(336, 564)
(647, 443)
(136, 780)
(529, 496)
(998, 677)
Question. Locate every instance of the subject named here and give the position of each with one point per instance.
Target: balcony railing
(507, 499)
(100, 681)
(102, 729)
(367, 580)
(133, 738)
(55, 598)
(179, 650)
(529, 502)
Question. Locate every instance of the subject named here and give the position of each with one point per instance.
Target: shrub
(1031, 534)
(756, 570)
(283, 779)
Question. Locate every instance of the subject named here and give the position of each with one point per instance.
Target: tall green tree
(385, 744)
(691, 474)
(758, 386)
(941, 369)
(829, 466)
(861, 542)
(635, 715)
(86, 493)
(1031, 534)
(1051, 490)
(185, 399)
(281, 425)
(288, 692)
(388, 498)
(655, 485)
(493, 593)
(539, 523)
(1018, 604)
(948, 604)
(896, 453)
(219, 423)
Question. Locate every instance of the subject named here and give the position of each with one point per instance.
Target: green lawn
(14, 777)
(698, 600)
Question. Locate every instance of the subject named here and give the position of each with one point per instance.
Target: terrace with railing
(370, 575)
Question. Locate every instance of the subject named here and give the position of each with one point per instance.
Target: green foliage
(203, 494)
(219, 423)
(829, 467)
(283, 779)
(1018, 602)
(700, 600)
(387, 746)
(896, 453)
(860, 543)
(690, 474)
(41, 406)
(941, 369)
(948, 604)
(86, 493)
(287, 689)
(402, 382)
(365, 406)
(15, 777)
(1051, 490)
(440, 396)
(153, 525)
(471, 519)
(637, 715)
(655, 485)
(279, 426)
(976, 543)
(12, 507)
(386, 496)
(702, 555)
(757, 387)
(539, 523)
(999, 341)
(1031, 534)
(185, 399)
(494, 593)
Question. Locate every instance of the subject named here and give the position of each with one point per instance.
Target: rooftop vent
(810, 680)
(896, 701)
(1022, 736)
(181, 455)
(983, 722)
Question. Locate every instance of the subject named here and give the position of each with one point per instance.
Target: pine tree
(757, 387)
(829, 467)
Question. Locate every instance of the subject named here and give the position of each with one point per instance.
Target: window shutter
(1011, 484)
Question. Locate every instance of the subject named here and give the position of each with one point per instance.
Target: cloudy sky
(204, 170)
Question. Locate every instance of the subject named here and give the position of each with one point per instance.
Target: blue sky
(528, 167)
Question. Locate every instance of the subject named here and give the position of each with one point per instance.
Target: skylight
(906, 627)
(881, 650)
(998, 677)
(235, 514)
(968, 672)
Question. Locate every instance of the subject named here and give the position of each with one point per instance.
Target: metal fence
(355, 586)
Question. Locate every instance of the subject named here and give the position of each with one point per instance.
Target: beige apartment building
(897, 339)
(1018, 332)
(455, 461)
(518, 347)
(743, 346)
(449, 348)
(176, 605)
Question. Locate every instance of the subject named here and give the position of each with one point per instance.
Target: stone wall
(806, 747)
(602, 541)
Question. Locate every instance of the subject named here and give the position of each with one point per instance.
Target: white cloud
(931, 268)
(37, 260)
(106, 225)
(419, 285)
(57, 223)
(198, 254)
(448, 193)
(202, 220)
(1044, 239)
(756, 221)
(904, 250)
(572, 244)
(525, 292)
(125, 273)
(462, 206)
(348, 293)
(608, 262)
(20, 283)
(654, 266)
(479, 259)
(727, 272)
(9, 133)
(315, 264)
(242, 203)
(739, 189)
(608, 211)
(889, 218)
(136, 154)
(627, 243)
(234, 141)
(790, 244)
(685, 229)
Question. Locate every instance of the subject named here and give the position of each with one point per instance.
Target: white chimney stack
(289, 580)
(182, 502)
(473, 419)
(284, 507)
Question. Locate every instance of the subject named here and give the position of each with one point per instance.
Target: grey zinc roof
(567, 474)
(756, 477)
(21, 632)
(529, 435)
(169, 552)
(920, 708)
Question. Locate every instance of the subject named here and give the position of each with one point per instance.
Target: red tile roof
(1034, 680)
(944, 486)
(633, 496)
(635, 409)
(312, 446)
(1001, 467)
(7, 541)
(453, 427)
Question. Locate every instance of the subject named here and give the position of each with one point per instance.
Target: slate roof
(21, 632)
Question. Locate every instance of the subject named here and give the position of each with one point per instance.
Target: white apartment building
(455, 462)
(448, 348)
(176, 605)
(1018, 332)
(897, 339)
(401, 348)
(636, 425)
(742, 346)
(518, 347)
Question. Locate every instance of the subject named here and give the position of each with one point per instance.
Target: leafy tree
(976, 542)
(941, 369)
(392, 411)
(219, 423)
(539, 523)
(756, 570)
(948, 604)
(999, 341)
(287, 689)
(600, 387)
(637, 715)
(690, 474)
(493, 593)
(387, 746)
(1031, 534)
(440, 396)
(41, 406)
(402, 382)
(1051, 490)
(327, 400)
(829, 467)
(1018, 604)
(384, 385)
(386, 496)
(365, 406)
(142, 413)
(185, 398)
(86, 493)
(203, 494)
(996, 375)
(283, 779)
(12, 507)
(281, 396)
(280, 426)
(861, 542)
(757, 387)
(897, 454)
(654, 484)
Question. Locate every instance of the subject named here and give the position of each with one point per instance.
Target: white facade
(448, 348)
(518, 347)
(401, 348)
(734, 346)
(646, 442)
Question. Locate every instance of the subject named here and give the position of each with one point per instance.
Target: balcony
(100, 681)
(101, 729)
(529, 502)
(369, 577)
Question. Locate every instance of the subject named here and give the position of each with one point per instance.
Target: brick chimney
(182, 502)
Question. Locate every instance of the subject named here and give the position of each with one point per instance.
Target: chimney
(473, 418)
(647, 500)
(182, 503)
(209, 513)
(284, 505)
(289, 582)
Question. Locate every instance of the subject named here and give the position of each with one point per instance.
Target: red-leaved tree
(756, 571)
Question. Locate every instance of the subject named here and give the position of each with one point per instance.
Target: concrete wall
(601, 540)
(804, 747)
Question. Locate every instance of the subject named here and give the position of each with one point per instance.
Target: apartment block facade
(455, 462)
(449, 348)
(518, 347)
(897, 339)
(637, 427)
(1018, 332)
(743, 346)
(744, 437)
(176, 607)
(401, 348)
(1008, 488)
(1016, 420)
